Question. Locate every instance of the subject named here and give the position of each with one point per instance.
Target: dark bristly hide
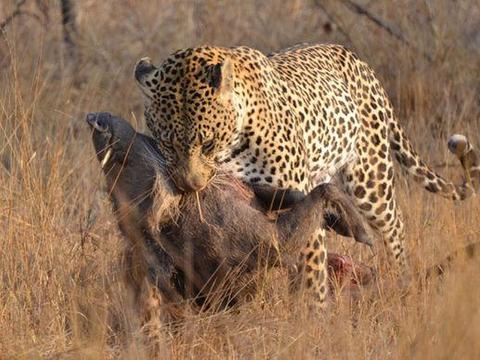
(206, 246)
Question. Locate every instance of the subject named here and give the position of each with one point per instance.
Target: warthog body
(209, 245)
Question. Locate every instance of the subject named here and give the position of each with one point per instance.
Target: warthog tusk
(107, 157)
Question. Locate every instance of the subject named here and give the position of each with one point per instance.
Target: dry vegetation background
(60, 291)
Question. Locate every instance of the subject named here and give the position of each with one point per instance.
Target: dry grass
(61, 294)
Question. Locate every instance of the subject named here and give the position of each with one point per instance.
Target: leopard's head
(193, 110)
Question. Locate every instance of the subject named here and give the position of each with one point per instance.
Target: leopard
(295, 118)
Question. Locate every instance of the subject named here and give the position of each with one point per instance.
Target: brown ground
(61, 294)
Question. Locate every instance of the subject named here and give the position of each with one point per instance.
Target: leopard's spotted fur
(294, 119)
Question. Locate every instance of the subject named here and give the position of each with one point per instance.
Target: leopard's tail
(459, 145)
(469, 158)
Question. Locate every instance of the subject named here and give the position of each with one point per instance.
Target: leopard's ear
(222, 76)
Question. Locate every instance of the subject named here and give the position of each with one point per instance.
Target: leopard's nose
(193, 183)
(143, 67)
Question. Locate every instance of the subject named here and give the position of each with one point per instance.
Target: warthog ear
(222, 76)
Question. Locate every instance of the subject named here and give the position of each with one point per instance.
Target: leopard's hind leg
(370, 181)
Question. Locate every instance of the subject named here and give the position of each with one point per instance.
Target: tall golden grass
(61, 294)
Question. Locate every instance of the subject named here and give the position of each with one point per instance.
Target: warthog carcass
(207, 246)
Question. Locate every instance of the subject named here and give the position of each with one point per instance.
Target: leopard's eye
(208, 146)
(165, 139)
